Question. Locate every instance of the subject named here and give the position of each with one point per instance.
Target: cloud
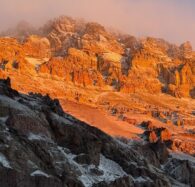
(172, 20)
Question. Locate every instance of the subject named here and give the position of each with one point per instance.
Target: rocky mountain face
(87, 55)
(140, 90)
(41, 146)
(117, 73)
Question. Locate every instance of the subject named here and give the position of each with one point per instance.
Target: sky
(173, 20)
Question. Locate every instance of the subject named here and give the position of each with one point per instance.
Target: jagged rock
(152, 137)
(45, 147)
(148, 125)
(180, 81)
(181, 169)
(186, 49)
(155, 134)
(37, 47)
(184, 146)
(90, 56)
(165, 135)
(10, 178)
(6, 90)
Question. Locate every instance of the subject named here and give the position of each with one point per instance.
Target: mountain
(107, 61)
(136, 95)
(43, 146)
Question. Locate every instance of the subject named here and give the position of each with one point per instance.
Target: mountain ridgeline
(87, 55)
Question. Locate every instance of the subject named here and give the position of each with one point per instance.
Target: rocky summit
(132, 100)
(41, 146)
(87, 55)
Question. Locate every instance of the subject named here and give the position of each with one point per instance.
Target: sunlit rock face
(37, 47)
(86, 54)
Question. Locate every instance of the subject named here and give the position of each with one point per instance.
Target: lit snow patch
(39, 173)
(4, 161)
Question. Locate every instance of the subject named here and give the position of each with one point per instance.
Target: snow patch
(31, 164)
(4, 161)
(3, 119)
(36, 61)
(110, 170)
(39, 137)
(141, 180)
(39, 173)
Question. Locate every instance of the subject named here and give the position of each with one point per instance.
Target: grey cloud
(172, 20)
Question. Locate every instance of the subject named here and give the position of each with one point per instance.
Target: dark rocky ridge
(41, 146)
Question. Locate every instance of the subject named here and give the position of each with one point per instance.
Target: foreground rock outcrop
(40, 145)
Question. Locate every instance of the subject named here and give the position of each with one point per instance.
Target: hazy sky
(173, 20)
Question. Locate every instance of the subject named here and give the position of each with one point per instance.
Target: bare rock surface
(43, 146)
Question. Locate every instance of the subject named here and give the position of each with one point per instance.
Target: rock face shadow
(192, 93)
